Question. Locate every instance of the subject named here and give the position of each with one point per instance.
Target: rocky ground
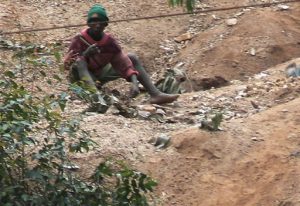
(254, 160)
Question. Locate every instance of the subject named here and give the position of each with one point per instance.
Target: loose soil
(254, 160)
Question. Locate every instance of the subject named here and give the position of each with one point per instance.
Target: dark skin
(95, 30)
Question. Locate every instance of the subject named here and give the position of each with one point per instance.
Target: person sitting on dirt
(96, 56)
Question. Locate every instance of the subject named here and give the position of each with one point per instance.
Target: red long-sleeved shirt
(111, 52)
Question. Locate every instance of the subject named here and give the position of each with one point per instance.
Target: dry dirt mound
(261, 38)
(255, 160)
(252, 162)
(216, 48)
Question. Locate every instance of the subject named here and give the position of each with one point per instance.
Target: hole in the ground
(205, 83)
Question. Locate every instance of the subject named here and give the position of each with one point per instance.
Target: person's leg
(108, 74)
(156, 96)
(81, 73)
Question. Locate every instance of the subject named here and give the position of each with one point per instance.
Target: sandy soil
(255, 159)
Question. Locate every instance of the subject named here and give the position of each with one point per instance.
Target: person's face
(96, 25)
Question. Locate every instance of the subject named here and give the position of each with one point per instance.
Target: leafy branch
(189, 4)
(36, 140)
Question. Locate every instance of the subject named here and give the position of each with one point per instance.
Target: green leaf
(189, 4)
(57, 56)
(150, 185)
(216, 121)
(9, 74)
(62, 101)
(25, 197)
(2, 63)
(28, 141)
(33, 152)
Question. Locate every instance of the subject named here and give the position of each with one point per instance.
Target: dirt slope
(215, 49)
(274, 36)
(255, 160)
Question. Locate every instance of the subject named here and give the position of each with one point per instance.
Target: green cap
(97, 11)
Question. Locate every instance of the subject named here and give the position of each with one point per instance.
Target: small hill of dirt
(262, 38)
(255, 160)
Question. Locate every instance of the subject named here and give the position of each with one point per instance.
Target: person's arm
(91, 50)
(77, 59)
(120, 61)
(124, 66)
(74, 53)
(81, 67)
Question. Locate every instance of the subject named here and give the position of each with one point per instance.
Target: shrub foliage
(36, 141)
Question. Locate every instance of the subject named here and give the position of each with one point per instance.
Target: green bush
(36, 141)
(190, 4)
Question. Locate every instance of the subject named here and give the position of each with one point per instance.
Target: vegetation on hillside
(37, 139)
(189, 4)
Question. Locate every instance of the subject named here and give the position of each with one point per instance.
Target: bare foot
(163, 98)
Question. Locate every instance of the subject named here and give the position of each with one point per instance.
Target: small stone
(160, 111)
(254, 104)
(260, 76)
(167, 49)
(215, 17)
(235, 64)
(252, 51)
(162, 141)
(77, 102)
(183, 37)
(283, 7)
(231, 22)
(295, 154)
(71, 167)
(195, 97)
(291, 136)
(147, 108)
(144, 114)
(239, 14)
(242, 94)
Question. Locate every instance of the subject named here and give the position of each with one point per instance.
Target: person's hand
(69, 59)
(91, 50)
(134, 90)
